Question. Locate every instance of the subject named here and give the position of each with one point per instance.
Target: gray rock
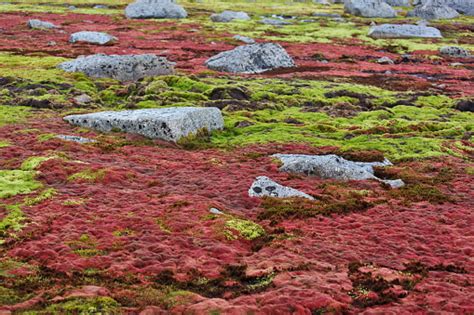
(385, 61)
(369, 8)
(256, 58)
(71, 7)
(274, 22)
(403, 31)
(122, 68)
(38, 24)
(398, 3)
(324, 2)
(434, 10)
(82, 99)
(264, 186)
(228, 16)
(215, 211)
(155, 9)
(98, 38)
(100, 6)
(453, 51)
(244, 39)
(77, 139)
(170, 124)
(462, 6)
(333, 166)
(326, 15)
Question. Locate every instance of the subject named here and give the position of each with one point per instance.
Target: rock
(71, 7)
(398, 3)
(369, 8)
(434, 10)
(465, 105)
(215, 211)
(326, 15)
(244, 39)
(51, 43)
(274, 22)
(170, 124)
(264, 186)
(462, 6)
(256, 58)
(323, 2)
(38, 24)
(334, 167)
(98, 38)
(123, 68)
(77, 139)
(403, 31)
(228, 16)
(453, 51)
(385, 61)
(100, 6)
(82, 99)
(155, 9)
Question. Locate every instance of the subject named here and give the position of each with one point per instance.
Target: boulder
(369, 8)
(170, 124)
(38, 24)
(434, 10)
(98, 38)
(119, 67)
(398, 3)
(462, 6)
(255, 58)
(466, 105)
(334, 167)
(274, 22)
(155, 9)
(455, 52)
(403, 31)
(244, 39)
(264, 186)
(228, 16)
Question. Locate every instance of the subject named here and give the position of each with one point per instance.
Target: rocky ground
(117, 223)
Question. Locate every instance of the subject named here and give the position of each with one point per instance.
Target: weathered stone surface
(462, 6)
(434, 10)
(326, 15)
(170, 124)
(244, 39)
(155, 9)
(454, 51)
(77, 139)
(369, 8)
(465, 105)
(385, 61)
(275, 22)
(398, 3)
(38, 24)
(264, 186)
(403, 31)
(119, 67)
(98, 38)
(333, 166)
(254, 58)
(228, 16)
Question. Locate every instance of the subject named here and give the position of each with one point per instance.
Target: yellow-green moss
(235, 228)
(89, 175)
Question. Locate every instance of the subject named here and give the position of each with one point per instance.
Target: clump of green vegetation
(97, 305)
(199, 140)
(44, 195)
(88, 175)
(123, 232)
(13, 114)
(34, 162)
(163, 226)
(235, 228)
(420, 193)
(85, 246)
(4, 143)
(14, 182)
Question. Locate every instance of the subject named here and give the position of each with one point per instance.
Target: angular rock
(38, 24)
(264, 186)
(170, 124)
(453, 51)
(274, 22)
(119, 67)
(244, 39)
(155, 9)
(434, 10)
(403, 31)
(228, 16)
(398, 3)
(98, 38)
(369, 8)
(256, 58)
(333, 166)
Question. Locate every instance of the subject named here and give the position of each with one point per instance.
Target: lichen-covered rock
(228, 16)
(244, 39)
(119, 67)
(98, 38)
(369, 8)
(254, 58)
(385, 61)
(38, 24)
(77, 139)
(333, 166)
(403, 31)
(155, 9)
(462, 6)
(170, 124)
(434, 10)
(454, 51)
(274, 22)
(398, 3)
(264, 186)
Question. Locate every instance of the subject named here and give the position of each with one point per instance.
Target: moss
(88, 175)
(244, 228)
(13, 114)
(198, 140)
(46, 136)
(12, 221)
(9, 296)
(34, 162)
(420, 193)
(97, 305)
(163, 226)
(14, 182)
(4, 144)
(44, 195)
(123, 232)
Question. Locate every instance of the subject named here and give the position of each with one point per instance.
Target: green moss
(46, 137)
(44, 195)
(163, 226)
(89, 175)
(12, 221)
(97, 305)
(420, 193)
(8, 296)
(235, 228)
(13, 114)
(14, 182)
(4, 144)
(34, 162)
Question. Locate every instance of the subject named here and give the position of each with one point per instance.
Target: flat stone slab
(227, 16)
(244, 39)
(98, 38)
(170, 124)
(333, 166)
(403, 31)
(155, 9)
(38, 24)
(274, 22)
(264, 186)
(254, 58)
(120, 67)
(77, 139)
